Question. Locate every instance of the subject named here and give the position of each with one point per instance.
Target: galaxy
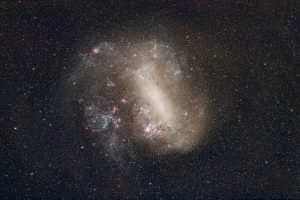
(149, 100)
(139, 93)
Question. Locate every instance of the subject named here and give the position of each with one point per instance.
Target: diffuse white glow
(161, 109)
(154, 95)
(165, 95)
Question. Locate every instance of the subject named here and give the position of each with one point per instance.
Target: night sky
(149, 99)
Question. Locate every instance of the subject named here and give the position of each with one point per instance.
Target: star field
(149, 100)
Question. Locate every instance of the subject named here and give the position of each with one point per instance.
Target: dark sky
(249, 55)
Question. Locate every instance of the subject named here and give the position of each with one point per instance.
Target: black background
(254, 152)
